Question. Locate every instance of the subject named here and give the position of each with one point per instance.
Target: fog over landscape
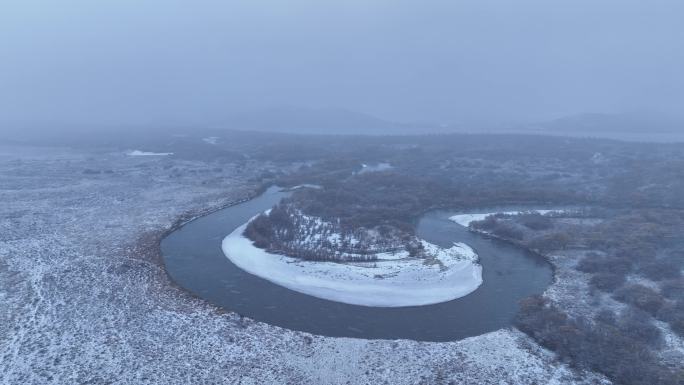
(438, 66)
(437, 192)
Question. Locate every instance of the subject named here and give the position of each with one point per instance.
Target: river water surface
(194, 260)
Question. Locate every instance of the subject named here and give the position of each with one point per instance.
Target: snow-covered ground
(147, 153)
(394, 280)
(466, 219)
(306, 185)
(377, 167)
(85, 298)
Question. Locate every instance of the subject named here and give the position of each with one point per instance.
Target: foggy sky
(115, 62)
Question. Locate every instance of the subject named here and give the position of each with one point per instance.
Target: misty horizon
(455, 64)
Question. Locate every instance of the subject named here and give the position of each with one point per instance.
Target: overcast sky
(177, 62)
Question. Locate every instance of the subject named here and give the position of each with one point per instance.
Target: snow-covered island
(382, 279)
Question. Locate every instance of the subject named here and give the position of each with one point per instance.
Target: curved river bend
(194, 259)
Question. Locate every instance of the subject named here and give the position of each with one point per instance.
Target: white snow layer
(466, 219)
(388, 282)
(147, 153)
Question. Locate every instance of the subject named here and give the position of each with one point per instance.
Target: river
(195, 261)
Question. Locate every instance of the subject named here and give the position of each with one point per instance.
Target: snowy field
(85, 298)
(393, 280)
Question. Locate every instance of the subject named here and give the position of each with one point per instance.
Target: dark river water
(194, 259)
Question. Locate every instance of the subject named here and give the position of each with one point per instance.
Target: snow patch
(147, 153)
(374, 167)
(466, 219)
(306, 185)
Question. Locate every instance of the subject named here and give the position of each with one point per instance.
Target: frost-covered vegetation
(287, 230)
(620, 258)
(86, 299)
(633, 265)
